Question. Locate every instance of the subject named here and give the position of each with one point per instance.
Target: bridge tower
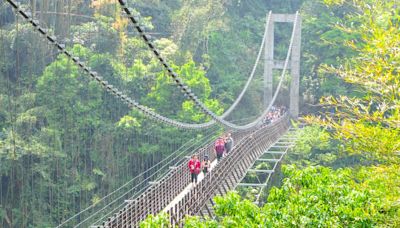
(294, 65)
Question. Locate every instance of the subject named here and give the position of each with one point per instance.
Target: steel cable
(273, 127)
(184, 88)
(239, 98)
(184, 152)
(179, 162)
(132, 103)
(141, 174)
(187, 91)
(94, 75)
(135, 178)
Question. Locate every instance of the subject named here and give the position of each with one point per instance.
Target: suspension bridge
(165, 187)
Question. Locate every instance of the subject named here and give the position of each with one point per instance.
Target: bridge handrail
(176, 161)
(163, 192)
(161, 174)
(156, 197)
(207, 188)
(171, 160)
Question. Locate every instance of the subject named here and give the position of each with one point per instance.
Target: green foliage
(374, 142)
(161, 220)
(322, 197)
(164, 90)
(368, 123)
(317, 196)
(128, 122)
(236, 213)
(326, 45)
(197, 222)
(311, 140)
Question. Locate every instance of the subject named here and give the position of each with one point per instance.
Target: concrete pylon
(294, 65)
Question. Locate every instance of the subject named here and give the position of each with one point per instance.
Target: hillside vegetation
(65, 142)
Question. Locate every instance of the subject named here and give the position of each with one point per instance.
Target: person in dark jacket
(205, 165)
(228, 143)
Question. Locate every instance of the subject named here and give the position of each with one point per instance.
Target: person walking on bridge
(228, 143)
(219, 148)
(205, 165)
(194, 168)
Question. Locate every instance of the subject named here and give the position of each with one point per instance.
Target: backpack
(228, 144)
(219, 146)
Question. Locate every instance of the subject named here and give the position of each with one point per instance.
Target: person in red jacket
(194, 167)
(219, 147)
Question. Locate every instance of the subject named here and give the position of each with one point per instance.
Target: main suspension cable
(187, 91)
(178, 81)
(105, 84)
(132, 103)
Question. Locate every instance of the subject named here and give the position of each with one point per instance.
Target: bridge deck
(174, 194)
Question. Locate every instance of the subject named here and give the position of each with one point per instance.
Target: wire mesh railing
(161, 193)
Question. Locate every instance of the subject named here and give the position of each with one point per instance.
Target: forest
(65, 143)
